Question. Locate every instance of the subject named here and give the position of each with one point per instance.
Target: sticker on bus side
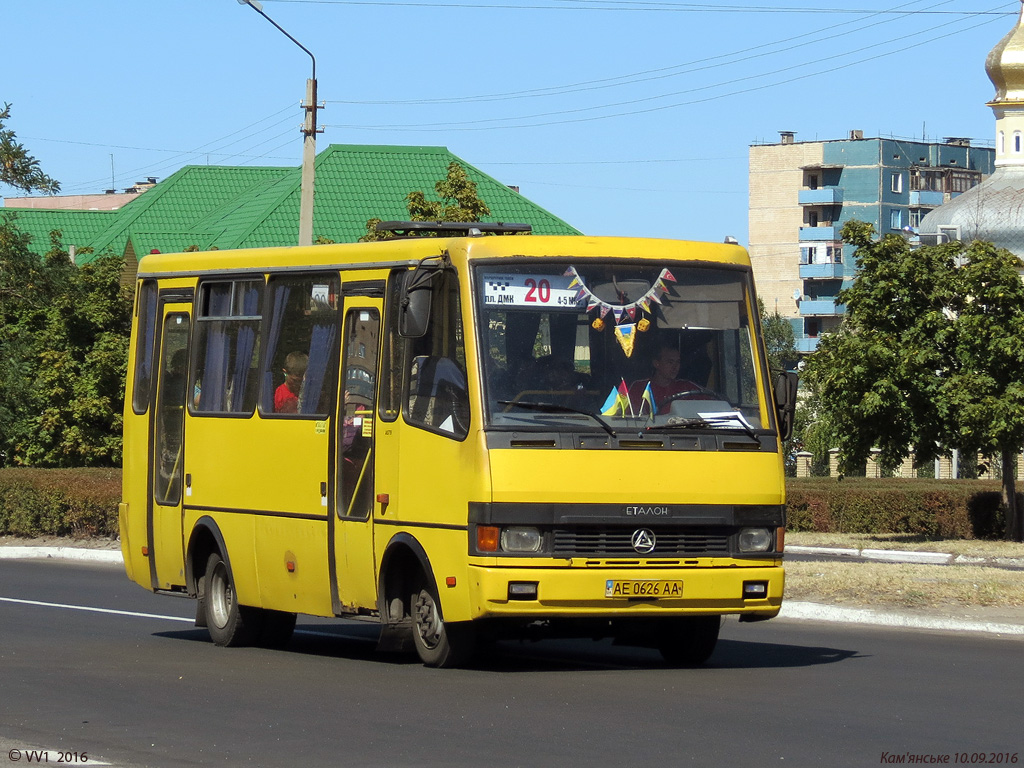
(530, 291)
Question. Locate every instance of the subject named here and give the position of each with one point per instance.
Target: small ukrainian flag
(648, 398)
(613, 405)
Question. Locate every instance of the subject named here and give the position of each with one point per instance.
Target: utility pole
(308, 162)
(309, 131)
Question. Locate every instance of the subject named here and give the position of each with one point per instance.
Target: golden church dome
(1005, 64)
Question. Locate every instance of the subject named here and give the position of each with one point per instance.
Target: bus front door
(354, 568)
(167, 452)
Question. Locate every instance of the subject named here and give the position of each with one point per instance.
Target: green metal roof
(249, 207)
(79, 228)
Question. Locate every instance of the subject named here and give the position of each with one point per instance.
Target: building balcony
(926, 197)
(820, 196)
(807, 344)
(818, 234)
(824, 307)
(830, 271)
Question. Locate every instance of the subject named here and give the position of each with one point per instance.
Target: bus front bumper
(753, 592)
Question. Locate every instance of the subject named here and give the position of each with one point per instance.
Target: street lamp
(309, 131)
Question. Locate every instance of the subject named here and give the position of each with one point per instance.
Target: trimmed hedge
(941, 509)
(83, 503)
(59, 502)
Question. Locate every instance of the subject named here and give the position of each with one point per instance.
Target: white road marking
(310, 632)
(95, 610)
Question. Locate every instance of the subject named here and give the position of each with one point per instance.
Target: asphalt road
(136, 687)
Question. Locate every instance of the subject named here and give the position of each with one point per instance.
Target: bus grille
(617, 542)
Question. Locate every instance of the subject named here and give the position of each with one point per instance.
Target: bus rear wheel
(229, 623)
(689, 641)
(439, 644)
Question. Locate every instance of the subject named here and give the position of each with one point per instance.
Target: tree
(18, 168)
(930, 356)
(458, 202)
(985, 387)
(63, 355)
(779, 340)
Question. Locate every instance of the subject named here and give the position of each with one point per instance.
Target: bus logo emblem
(643, 540)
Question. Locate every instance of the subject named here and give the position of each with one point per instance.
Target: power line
(652, 74)
(209, 148)
(488, 123)
(645, 7)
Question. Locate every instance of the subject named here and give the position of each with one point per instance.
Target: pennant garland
(659, 289)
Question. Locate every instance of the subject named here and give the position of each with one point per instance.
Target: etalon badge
(643, 540)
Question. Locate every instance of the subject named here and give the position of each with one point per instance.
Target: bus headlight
(755, 540)
(520, 540)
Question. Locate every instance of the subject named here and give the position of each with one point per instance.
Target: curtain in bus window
(245, 342)
(281, 293)
(320, 346)
(215, 364)
(226, 330)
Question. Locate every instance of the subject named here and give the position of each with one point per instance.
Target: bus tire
(688, 641)
(439, 644)
(229, 623)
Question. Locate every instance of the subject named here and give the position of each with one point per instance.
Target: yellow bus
(460, 436)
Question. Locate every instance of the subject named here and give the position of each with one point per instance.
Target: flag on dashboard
(618, 403)
(647, 398)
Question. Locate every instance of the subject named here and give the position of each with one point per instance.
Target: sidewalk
(996, 621)
(902, 556)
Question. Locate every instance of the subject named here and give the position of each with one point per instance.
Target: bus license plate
(650, 588)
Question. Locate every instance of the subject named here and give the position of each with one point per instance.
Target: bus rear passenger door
(167, 451)
(354, 566)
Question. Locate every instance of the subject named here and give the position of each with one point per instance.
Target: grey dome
(992, 211)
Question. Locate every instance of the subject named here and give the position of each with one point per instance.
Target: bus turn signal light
(780, 540)
(487, 538)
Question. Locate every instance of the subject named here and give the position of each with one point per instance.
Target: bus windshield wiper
(552, 408)
(710, 422)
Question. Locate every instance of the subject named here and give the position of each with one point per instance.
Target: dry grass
(908, 542)
(904, 585)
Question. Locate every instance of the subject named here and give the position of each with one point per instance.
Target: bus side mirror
(785, 402)
(414, 303)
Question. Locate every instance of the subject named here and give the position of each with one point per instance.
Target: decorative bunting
(621, 311)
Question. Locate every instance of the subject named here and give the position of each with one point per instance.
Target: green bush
(59, 502)
(941, 509)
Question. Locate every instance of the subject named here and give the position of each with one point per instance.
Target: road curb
(794, 609)
(77, 554)
(906, 556)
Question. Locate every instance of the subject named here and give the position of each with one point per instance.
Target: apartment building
(802, 192)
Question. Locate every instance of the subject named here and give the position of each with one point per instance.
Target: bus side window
(436, 395)
(227, 327)
(145, 346)
(392, 354)
(170, 419)
(302, 326)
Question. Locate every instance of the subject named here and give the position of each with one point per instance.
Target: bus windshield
(599, 345)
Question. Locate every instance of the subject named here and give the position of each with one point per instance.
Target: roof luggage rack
(455, 228)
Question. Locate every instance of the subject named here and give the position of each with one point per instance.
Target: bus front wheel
(439, 644)
(229, 623)
(689, 641)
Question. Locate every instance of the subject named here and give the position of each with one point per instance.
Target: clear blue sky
(624, 117)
